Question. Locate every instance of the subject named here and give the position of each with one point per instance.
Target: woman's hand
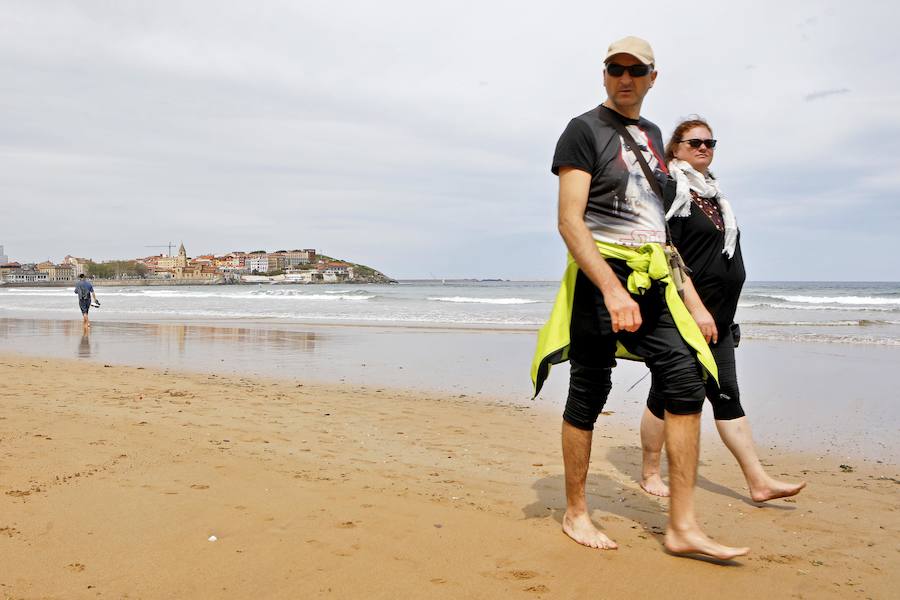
(698, 311)
(706, 323)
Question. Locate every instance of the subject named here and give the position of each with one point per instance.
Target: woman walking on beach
(705, 232)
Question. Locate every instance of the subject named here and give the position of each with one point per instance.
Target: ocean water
(822, 312)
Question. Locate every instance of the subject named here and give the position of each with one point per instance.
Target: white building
(303, 276)
(258, 263)
(26, 276)
(3, 257)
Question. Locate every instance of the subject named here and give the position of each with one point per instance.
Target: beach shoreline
(115, 478)
(825, 398)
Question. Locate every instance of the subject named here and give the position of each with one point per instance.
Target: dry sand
(113, 479)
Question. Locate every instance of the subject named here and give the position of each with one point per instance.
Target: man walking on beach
(84, 290)
(618, 296)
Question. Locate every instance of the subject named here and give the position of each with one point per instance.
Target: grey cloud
(825, 93)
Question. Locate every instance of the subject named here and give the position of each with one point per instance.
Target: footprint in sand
(515, 574)
(523, 574)
(75, 567)
(199, 486)
(781, 559)
(538, 589)
(347, 525)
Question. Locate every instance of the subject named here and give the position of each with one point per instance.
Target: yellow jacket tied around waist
(648, 264)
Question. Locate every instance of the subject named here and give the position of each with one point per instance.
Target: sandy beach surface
(113, 480)
(836, 399)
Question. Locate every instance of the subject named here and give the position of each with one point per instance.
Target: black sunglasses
(695, 143)
(617, 70)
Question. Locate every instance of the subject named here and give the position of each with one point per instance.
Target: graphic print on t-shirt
(640, 200)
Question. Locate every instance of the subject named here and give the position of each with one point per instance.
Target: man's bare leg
(738, 438)
(577, 524)
(683, 535)
(653, 434)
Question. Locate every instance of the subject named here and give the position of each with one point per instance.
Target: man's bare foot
(776, 489)
(653, 484)
(582, 530)
(695, 541)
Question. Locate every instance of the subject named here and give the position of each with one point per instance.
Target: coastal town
(259, 266)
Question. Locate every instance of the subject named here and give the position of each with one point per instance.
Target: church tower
(182, 259)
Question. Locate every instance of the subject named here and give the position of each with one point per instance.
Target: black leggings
(658, 342)
(725, 398)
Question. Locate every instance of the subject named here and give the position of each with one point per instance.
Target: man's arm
(574, 185)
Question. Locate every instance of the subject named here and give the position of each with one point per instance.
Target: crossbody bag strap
(677, 267)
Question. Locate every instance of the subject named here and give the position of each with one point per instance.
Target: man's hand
(707, 324)
(623, 310)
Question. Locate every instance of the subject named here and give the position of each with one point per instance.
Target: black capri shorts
(593, 348)
(725, 397)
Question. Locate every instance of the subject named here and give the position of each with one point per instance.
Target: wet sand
(826, 398)
(113, 479)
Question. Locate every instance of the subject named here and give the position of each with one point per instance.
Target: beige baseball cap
(635, 46)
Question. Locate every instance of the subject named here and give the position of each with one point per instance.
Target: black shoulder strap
(636, 150)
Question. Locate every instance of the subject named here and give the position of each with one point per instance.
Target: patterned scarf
(687, 178)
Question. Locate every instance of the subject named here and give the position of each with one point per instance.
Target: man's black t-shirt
(718, 279)
(622, 207)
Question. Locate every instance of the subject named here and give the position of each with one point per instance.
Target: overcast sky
(417, 136)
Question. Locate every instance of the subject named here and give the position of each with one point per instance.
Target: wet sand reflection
(84, 346)
(159, 344)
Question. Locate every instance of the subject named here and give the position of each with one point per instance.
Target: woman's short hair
(689, 123)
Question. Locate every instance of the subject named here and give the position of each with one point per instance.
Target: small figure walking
(84, 290)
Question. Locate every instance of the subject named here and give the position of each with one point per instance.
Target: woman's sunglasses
(617, 70)
(695, 143)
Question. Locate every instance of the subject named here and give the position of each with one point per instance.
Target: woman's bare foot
(776, 489)
(694, 541)
(582, 530)
(653, 484)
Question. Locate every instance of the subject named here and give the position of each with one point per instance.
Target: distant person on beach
(705, 231)
(85, 291)
(617, 296)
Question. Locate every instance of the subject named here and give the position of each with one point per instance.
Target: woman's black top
(700, 239)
